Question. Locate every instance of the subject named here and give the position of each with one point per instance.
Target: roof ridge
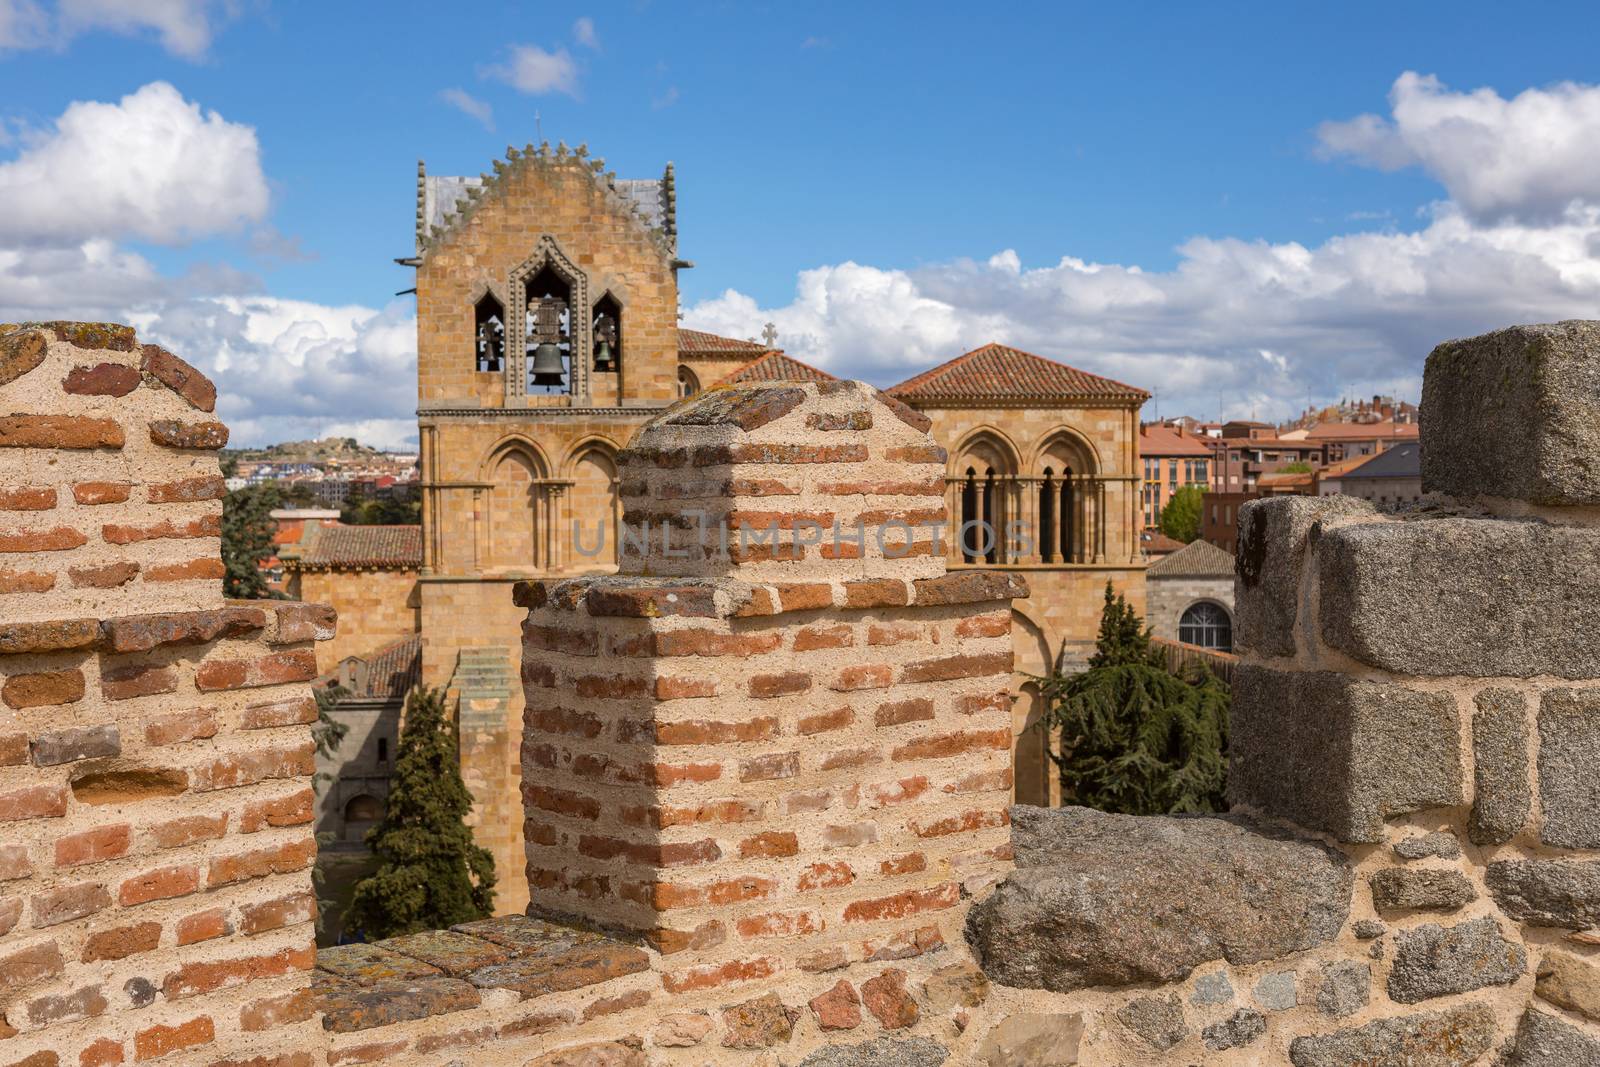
(1078, 382)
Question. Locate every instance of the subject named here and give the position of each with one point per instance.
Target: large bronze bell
(547, 365)
(602, 356)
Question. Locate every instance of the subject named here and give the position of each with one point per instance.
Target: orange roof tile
(392, 670)
(1159, 439)
(777, 367)
(697, 344)
(364, 547)
(1364, 431)
(998, 374)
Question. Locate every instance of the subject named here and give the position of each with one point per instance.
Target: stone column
(783, 756)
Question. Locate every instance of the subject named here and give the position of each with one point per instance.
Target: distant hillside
(340, 448)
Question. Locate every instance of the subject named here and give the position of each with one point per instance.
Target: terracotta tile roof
(1197, 559)
(1364, 431)
(1157, 544)
(777, 367)
(997, 373)
(365, 547)
(392, 671)
(1162, 440)
(697, 344)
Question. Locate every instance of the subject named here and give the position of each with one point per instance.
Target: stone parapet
(155, 747)
(777, 764)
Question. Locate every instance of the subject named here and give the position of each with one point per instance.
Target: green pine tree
(1136, 738)
(430, 875)
(1180, 519)
(328, 733)
(247, 530)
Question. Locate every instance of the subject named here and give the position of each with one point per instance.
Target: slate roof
(1197, 559)
(392, 670)
(777, 367)
(360, 547)
(1397, 461)
(697, 344)
(996, 373)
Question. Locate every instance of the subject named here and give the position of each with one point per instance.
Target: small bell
(602, 356)
(547, 365)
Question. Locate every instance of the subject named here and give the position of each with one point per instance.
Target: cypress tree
(430, 875)
(1136, 738)
(247, 530)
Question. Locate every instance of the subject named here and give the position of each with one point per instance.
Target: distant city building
(1245, 451)
(1389, 479)
(1346, 439)
(289, 527)
(1172, 457)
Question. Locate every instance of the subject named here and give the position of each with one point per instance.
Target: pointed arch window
(549, 333)
(490, 334)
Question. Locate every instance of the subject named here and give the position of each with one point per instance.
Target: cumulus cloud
(1236, 327)
(1530, 158)
(151, 166)
(531, 69)
(465, 102)
(346, 371)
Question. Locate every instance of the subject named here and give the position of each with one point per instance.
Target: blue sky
(1185, 197)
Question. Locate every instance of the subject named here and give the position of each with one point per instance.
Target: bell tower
(547, 314)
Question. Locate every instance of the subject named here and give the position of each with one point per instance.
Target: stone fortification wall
(155, 760)
(764, 789)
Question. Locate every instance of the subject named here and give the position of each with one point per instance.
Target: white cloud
(289, 369)
(471, 105)
(1238, 326)
(533, 70)
(151, 166)
(583, 33)
(1528, 158)
(23, 24)
(665, 100)
(185, 27)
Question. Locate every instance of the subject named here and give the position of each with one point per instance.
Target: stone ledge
(359, 987)
(292, 623)
(620, 596)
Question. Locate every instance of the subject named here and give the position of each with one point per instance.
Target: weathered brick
(56, 635)
(198, 977)
(174, 433)
(875, 593)
(179, 376)
(163, 883)
(66, 903)
(125, 534)
(837, 719)
(33, 802)
(669, 688)
(896, 712)
(137, 680)
(69, 746)
(104, 576)
(903, 905)
(203, 926)
(13, 750)
(271, 1012)
(954, 744)
(193, 570)
(274, 669)
(275, 914)
(185, 490)
(966, 822)
(261, 862)
(703, 732)
(815, 637)
(292, 810)
(59, 431)
(769, 767)
(20, 352)
(55, 539)
(94, 493)
(93, 846)
(863, 676)
(178, 727)
(141, 633)
(23, 967)
(901, 791)
(102, 1052)
(780, 924)
(55, 1009)
(122, 782)
(769, 845)
(951, 668)
(107, 336)
(713, 976)
(45, 689)
(154, 1042)
(27, 498)
(14, 862)
(121, 942)
(15, 581)
(297, 711)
